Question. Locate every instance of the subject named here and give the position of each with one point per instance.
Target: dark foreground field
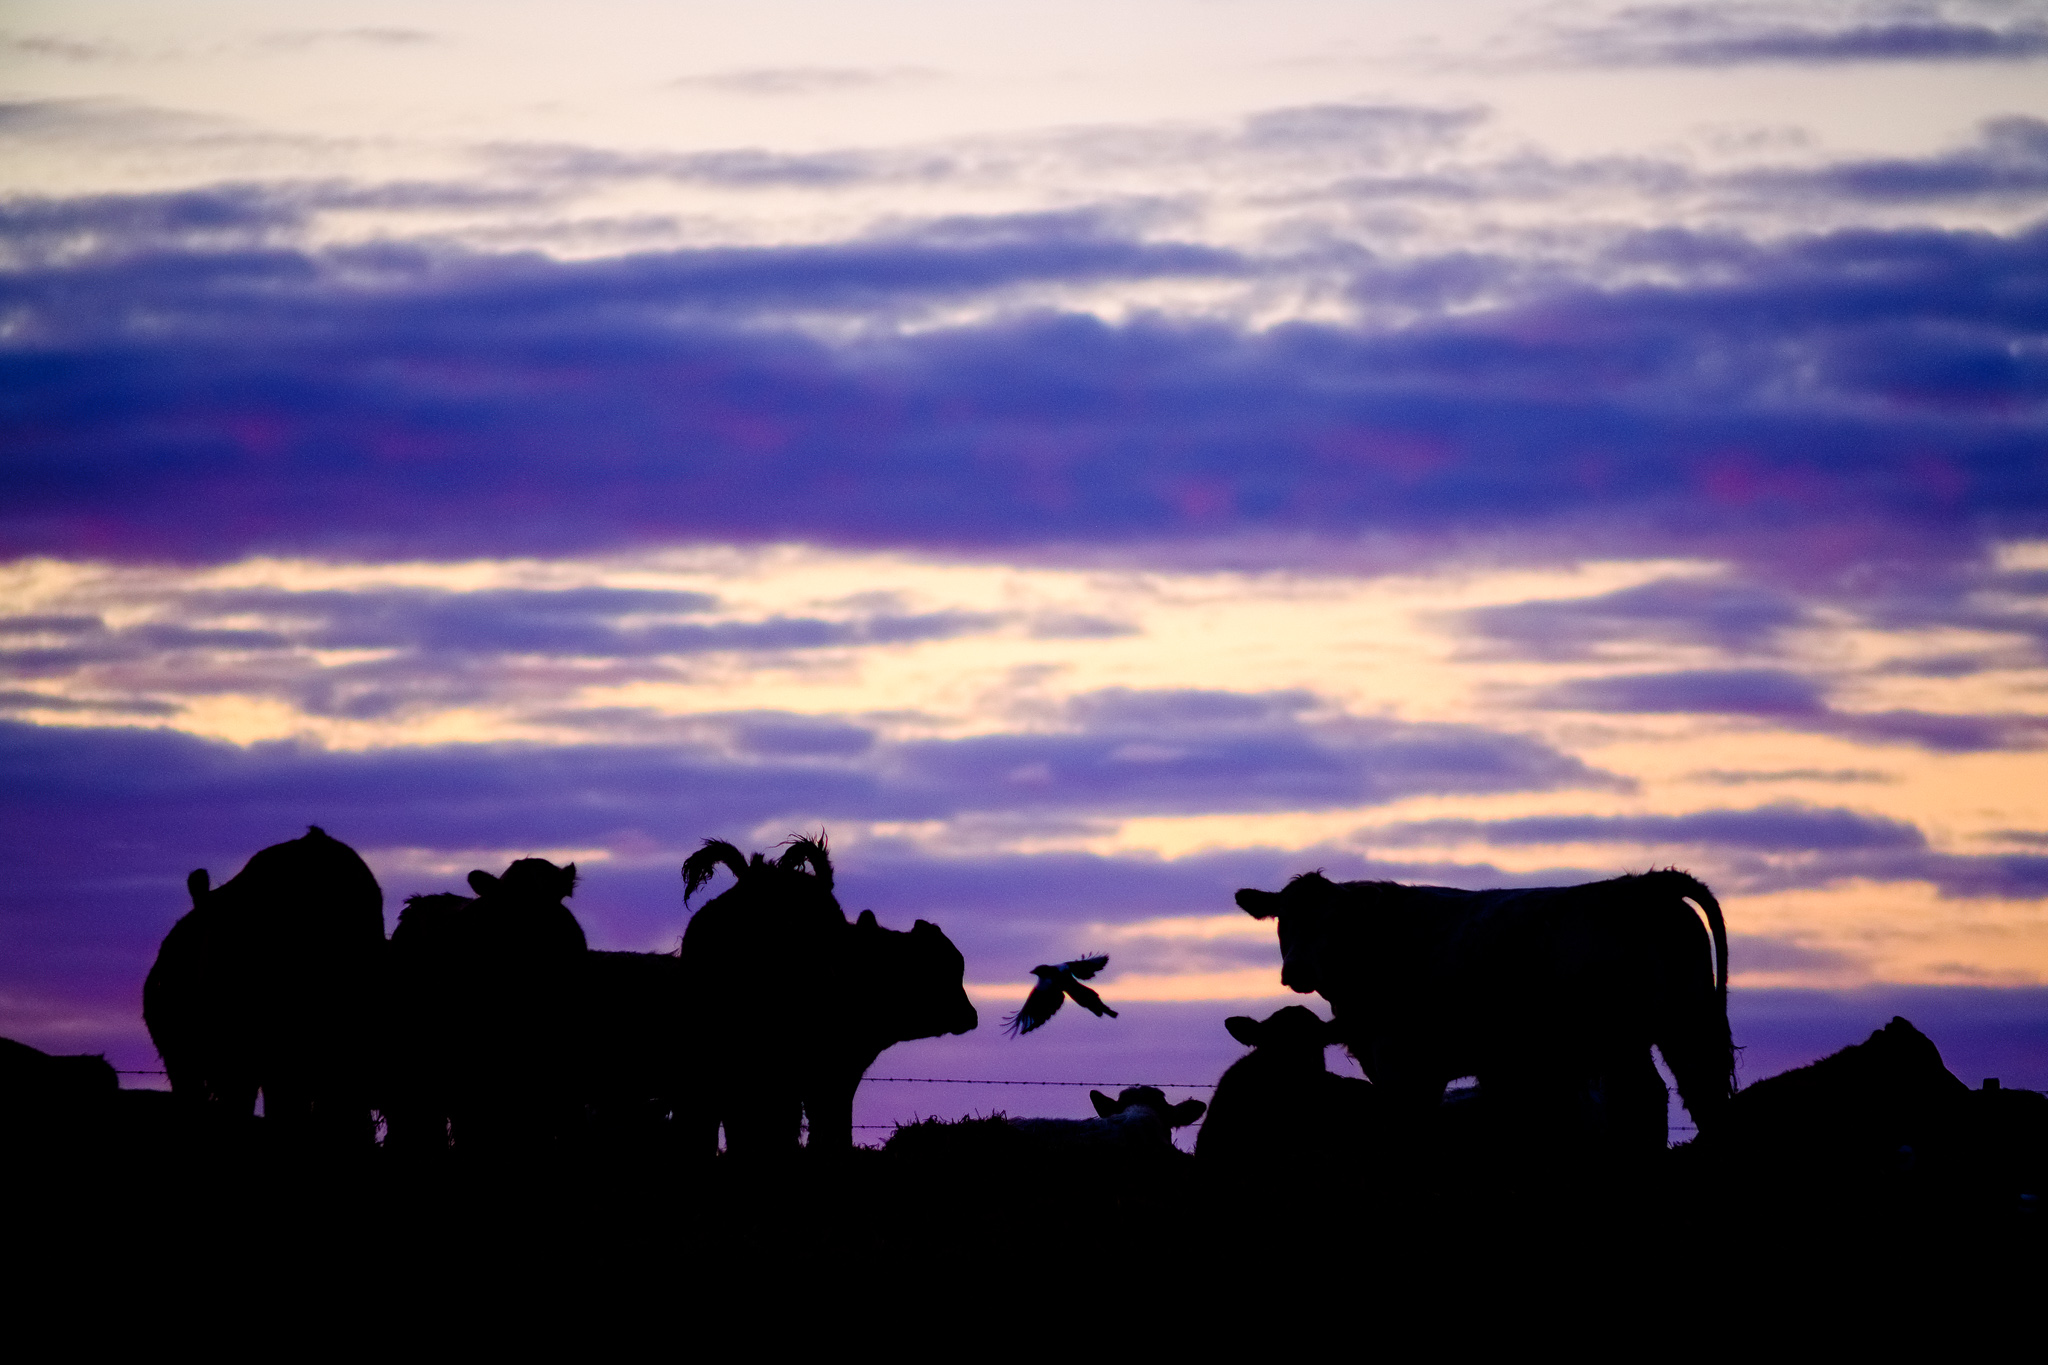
(162, 1227)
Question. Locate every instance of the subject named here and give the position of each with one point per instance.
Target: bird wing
(1089, 1000)
(1083, 968)
(1042, 1004)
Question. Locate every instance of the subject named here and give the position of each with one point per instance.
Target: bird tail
(1090, 1001)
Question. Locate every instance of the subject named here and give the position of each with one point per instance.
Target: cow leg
(1701, 1057)
(764, 1128)
(764, 1117)
(1634, 1106)
(829, 1107)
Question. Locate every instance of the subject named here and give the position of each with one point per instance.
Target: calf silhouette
(1279, 1110)
(270, 984)
(1134, 1131)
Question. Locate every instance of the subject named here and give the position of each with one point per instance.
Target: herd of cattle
(485, 1023)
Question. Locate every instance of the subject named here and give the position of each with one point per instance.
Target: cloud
(64, 49)
(734, 168)
(1765, 692)
(429, 646)
(1758, 953)
(400, 401)
(297, 40)
(728, 771)
(13, 699)
(1192, 751)
(1736, 777)
(782, 81)
(1793, 701)
(1672, 611)
(1735, 35)
(1785, 827)
(2009, 160)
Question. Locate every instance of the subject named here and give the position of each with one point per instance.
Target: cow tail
(1723, 1045)
(1695, 890)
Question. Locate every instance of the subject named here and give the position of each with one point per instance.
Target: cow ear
(866, 920)
(1185, 1113)
(198, 882)
(1104, 1105)
(482, 882)
(568, 882)
(1244, 1028)
(1258, 904)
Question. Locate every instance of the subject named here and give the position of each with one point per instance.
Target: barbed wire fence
(1671, 1130)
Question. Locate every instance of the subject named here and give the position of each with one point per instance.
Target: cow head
(1307, 910)
(1148, 1097)
(1293, 1028)
(525, 907)
(529, 879)
(922, 974)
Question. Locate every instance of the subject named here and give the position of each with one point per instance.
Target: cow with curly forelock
(787, 1002)
(1551, 996)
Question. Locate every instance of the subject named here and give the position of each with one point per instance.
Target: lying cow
(1551, 996)
(35, 1084)
(1137, 1125)
(1140, 1118)
(1885, 1112)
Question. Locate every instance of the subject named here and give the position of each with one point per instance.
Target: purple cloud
(1725, 35)
(1674, 611)
(437, 646)
(1767, 692)
(1790, 700)
(276, 403)
(1780, 828)
(2011, 159)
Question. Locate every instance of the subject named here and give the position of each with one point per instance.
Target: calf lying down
(1137, 1118)
(1138, 1123)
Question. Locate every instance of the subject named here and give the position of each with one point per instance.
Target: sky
(1085, 459)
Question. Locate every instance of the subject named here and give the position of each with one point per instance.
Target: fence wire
(1670, 1129)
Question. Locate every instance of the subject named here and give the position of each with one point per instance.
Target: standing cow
(270, 983)
(1551, 996)
(486, 1006)
(788, 1004)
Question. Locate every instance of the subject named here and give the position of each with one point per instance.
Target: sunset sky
(1086, 458)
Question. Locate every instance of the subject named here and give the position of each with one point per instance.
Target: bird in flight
(1055, 984)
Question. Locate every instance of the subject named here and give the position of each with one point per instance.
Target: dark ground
(171, 1231)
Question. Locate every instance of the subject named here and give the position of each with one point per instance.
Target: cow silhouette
(1881, 1119)
(788, 1004)
(1279, 1109)
(270, 984)
(1551, 996)
(1133, 1129)
(37, 1087)
(1849, 1110)
(483, 1038)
